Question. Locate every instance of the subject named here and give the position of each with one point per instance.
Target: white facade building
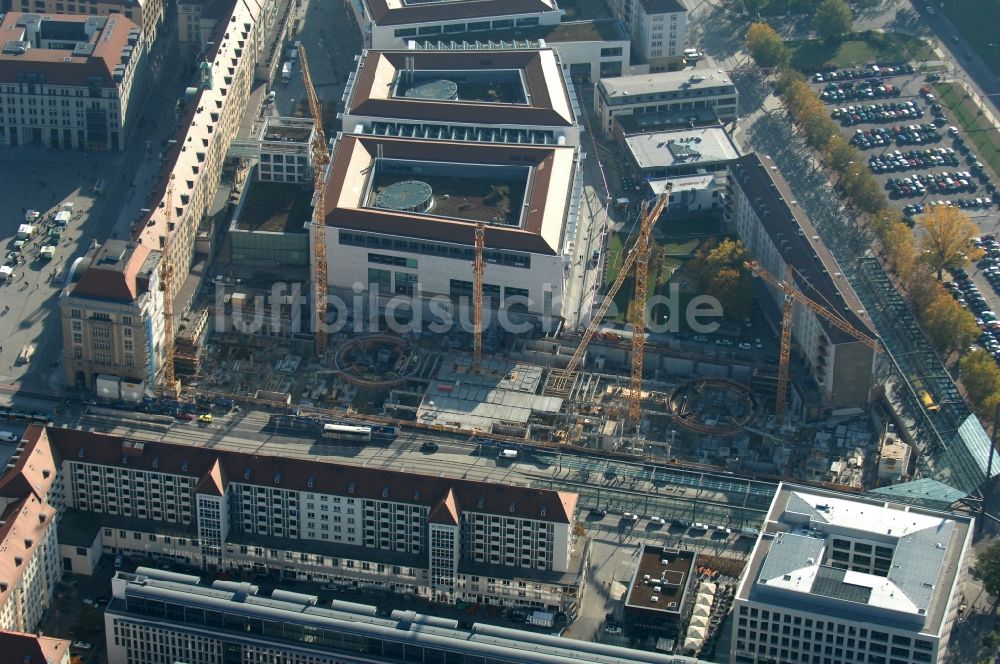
(761, 211)
(673, 92)
(70, 81)
(849, 579)
(420, 260)
(392, 531)
(658, 29)
(388, 24)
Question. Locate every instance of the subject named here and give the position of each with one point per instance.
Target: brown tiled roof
(213, 482)
(383, 14)
(528, 237)
(25, 523)
(539, 112)
(114, 281)
(35, 470)
(446, 511)
(320, 477)
(52, 64)
(20, 648)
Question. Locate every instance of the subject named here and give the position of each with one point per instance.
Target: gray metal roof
(498, 643)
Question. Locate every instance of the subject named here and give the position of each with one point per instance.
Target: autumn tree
(948, 324)
(838, 153)
(766, 47)
(947, 239)
(861, 188)
(832, 19)
(981, 378)
(719, 271)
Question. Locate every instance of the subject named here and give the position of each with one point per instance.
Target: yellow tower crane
(320, 157)
(477, 299)
(170, 382)
(639, 252)
(791, 296)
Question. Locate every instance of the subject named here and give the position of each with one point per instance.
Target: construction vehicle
(648, 217)
(320, 157)
(791, 296)
(170, 385)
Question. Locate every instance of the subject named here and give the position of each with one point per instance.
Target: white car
(84, 646)
(8, 437)
(630, 516)
(657, 520)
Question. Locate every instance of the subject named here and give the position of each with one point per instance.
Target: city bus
(347, 432)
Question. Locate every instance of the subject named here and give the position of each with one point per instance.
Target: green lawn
(975, 127)
(862, 48)
(977, 21)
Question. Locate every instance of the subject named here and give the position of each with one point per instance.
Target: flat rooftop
(361, 162)
(503, 391)
(496, 87)
(682, 147)
(663, 574)
(668, 81)
(282, 129)
(818, 274)
(245, 602)
(821, 544)
(275, 207)
(403, 12)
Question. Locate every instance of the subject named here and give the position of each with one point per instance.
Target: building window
(76, 313)
(609, 52)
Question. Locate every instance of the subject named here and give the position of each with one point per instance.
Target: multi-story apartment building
(438, 538)
(696, 90)
(109, 317)
(19, 648)
(763, 214)
(31, 497)
(234, 622)
(147, 14)
(209, 120)
(70, 81)
(658, 29)
(495, 96)
(421, 254)
(849, 579)
(388, 24)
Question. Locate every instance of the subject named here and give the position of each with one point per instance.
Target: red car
(184, 416)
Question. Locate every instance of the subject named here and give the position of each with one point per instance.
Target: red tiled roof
(35, 470)
(213, 482)
(20, 648)
(446, 511)
(115, 282)
(321, 477)
(52, 64)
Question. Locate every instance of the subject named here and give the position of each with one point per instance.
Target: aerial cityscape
(500, 331)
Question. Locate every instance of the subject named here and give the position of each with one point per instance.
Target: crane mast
(647, 219)
(477, 299)
(166, 287)
(790, 296)
(641, 250)
(320, 157)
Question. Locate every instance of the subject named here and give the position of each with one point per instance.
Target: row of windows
(428, 248)
(453, 28)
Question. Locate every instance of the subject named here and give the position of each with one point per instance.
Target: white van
(508, 454)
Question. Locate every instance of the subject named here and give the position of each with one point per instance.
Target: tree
(987, 568)
(901, 248)
(981, 378)
(720, 273)
(948, 325)
(839, 153)
(862, 188)
(766, 47)
(832, 19)
(947, 242)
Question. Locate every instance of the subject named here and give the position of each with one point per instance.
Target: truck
(541, 619)
(286, 72)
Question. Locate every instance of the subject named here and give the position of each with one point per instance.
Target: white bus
(346, 432)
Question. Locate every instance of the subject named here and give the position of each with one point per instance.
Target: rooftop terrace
(275, 207)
